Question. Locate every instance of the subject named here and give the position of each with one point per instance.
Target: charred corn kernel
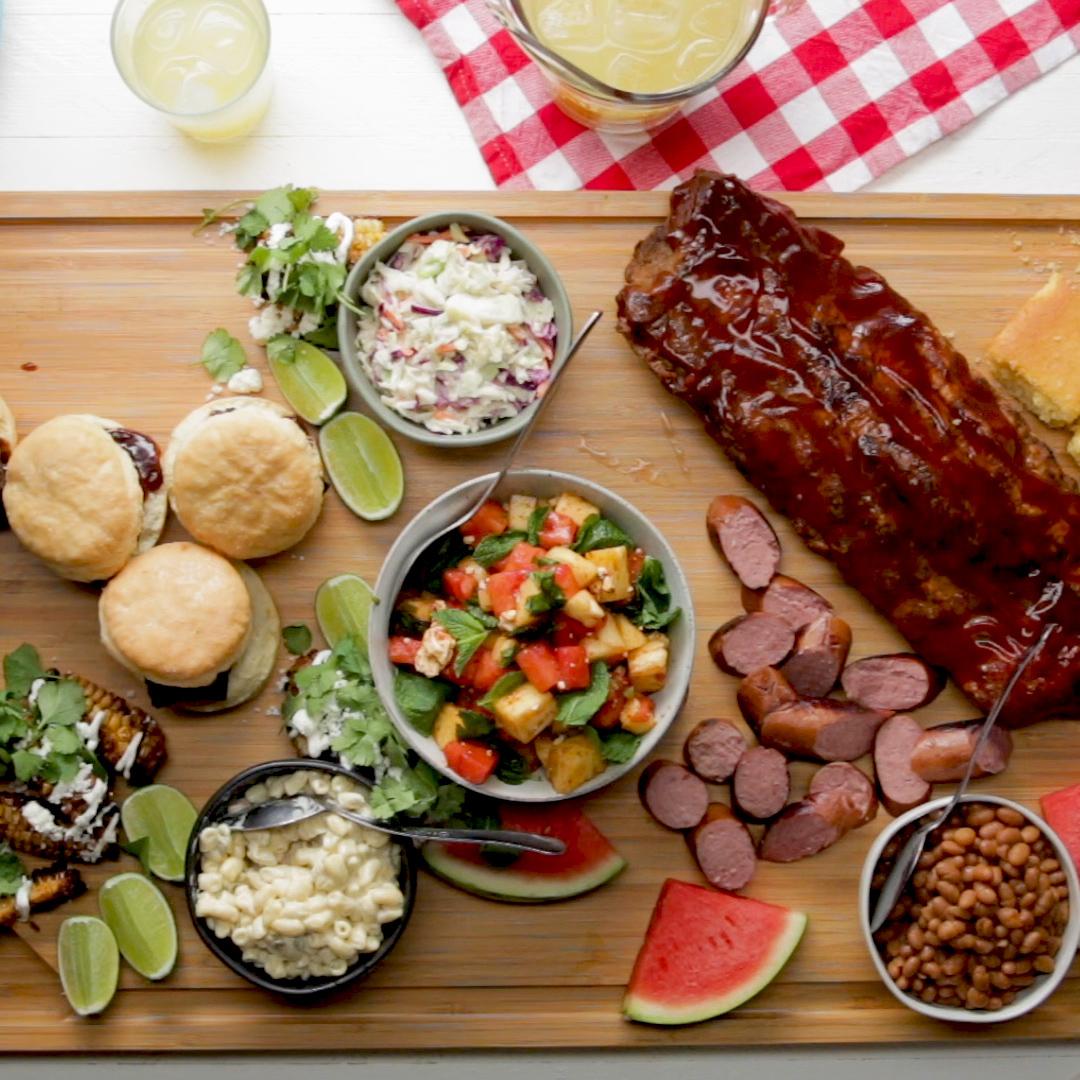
(367, 232)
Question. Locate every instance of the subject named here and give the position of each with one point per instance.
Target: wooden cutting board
(107, 299)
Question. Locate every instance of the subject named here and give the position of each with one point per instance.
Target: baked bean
(990, 830)
(950, 891)
(1010, 816)
(1010, 836)
(1029, 834)
(980, 815)
(968, 899)
(1006, 895)
(1018, 854)
(965, 836)
(1044, 964)
(915, 937)
(911, 965)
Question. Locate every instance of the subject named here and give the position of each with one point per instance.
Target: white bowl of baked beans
(985, 930)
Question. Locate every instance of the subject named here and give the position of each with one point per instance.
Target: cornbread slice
(1036, 356)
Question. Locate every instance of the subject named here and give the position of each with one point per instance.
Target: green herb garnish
(512, 767)
(651, 608)
(297, 638)
(510, 681)
(496, 546)
(550, 595)
(600, 532)
(470, 630)
(21, 668)
(474, 725)
(222, 355)
(620, 747)
(579, 707)
(420, 699)
(12, 871)
(536, 523)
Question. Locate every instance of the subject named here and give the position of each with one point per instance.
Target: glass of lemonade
(626, 65)
(202, 63)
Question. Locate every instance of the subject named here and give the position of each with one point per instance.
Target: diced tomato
(403, 650)
(564, 578)
(538, 662)
(608, 716)
(558, 530)
(485, 669)
(568, 631)
(490, 519)
(459, 584)
(573, 661)
(502, 589)
(635, 561)
(522, 556)
(472, 761)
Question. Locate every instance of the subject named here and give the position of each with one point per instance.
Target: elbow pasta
(305, 900)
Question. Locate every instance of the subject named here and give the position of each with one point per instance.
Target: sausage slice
(713, 749)
(745, 538)
(821, 649)
(749, 642)
(858, 802)
(822, 730)
(762, 784)
(761, 692)
(673, 795)
(797, 604)
(892, 683)
(941, 754)
(724, 849)
(901, 787)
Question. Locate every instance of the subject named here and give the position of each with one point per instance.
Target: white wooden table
(360, 103)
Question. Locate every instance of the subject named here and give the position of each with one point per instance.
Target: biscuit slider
(8, 439)
(202, 631)
(84, 495)
(244, 477)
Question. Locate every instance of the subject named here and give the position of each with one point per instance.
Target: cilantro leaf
(550, 595)
(600, 532)
(325, 337)
(496, 546)
(448, 804)
(21, 668)
(222, 355)
(581, 706)
(536, 523)
(620, 747)
(510, 681)
(12, 871)
(61, 702)
(248, 281)
(651, 608)
(297, 638)
(275, 205)
(469, 631)
(14, 721)
(248, 230)
(350, 657)
(64, 740)
(420, 699)
(26, 765)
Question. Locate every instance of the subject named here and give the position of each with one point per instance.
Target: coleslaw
(455, 334)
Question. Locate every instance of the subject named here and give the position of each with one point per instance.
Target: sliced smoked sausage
(892, 683)
(724, 849)
(749, 642)
(713, 749)
(673, 795)
(821, 649)
(821, 730)
(762, 784)
(745, 539)
(901, 787)
(841, 802)
(941, 754)
(797, 604)
(761, 692)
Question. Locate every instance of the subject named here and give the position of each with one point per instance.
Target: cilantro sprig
(12, 871)
(222, 355)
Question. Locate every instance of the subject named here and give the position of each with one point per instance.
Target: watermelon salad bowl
(542, 650)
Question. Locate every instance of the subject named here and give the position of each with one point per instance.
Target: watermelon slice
(588, 862)
(706, 952)
(1061, 809)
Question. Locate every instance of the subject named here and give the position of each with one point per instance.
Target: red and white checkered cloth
(834, 93)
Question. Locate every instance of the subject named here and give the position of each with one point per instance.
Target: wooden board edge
(106, 206)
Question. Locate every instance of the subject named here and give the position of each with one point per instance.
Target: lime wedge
(142, 923)
(164, 817)
(89, 963)
(363, 465)
(311, 382)
(343, 607)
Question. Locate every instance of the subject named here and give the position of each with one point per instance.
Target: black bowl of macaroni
(307, 908)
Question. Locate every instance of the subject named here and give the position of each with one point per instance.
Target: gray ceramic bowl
(523, 248)
(415, 537)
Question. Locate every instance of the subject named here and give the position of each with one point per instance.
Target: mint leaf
(510, 681)
(550, 595)
(420, 699)
(474, 725)
(651, 608)
(61, 702)
(599, 532)
(536, 523)
(12, 871)
(469, 631)
(512, 767)
(222, 355)
(620, 747)
(21, 668)
(581, 706)
(297, 638)
(496, 546)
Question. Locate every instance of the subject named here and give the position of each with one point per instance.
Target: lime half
(164, 817)
(363, 465)
(343, 607)
(142, 923)
(89, 963)
(311, 382)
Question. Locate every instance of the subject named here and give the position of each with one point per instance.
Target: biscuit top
(178, 614)
(73, 497)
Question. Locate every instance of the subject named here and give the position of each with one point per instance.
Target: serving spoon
(277, 813)
(904, 864)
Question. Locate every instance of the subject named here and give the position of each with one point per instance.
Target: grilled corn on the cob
(50, 886)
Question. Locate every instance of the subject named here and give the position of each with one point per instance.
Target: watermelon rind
(649, 1011)
(503, 883)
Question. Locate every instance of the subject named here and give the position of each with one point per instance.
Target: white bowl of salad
(541, 651)
(452, 326)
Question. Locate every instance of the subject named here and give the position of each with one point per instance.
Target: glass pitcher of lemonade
(625, 65)
(202, 63)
